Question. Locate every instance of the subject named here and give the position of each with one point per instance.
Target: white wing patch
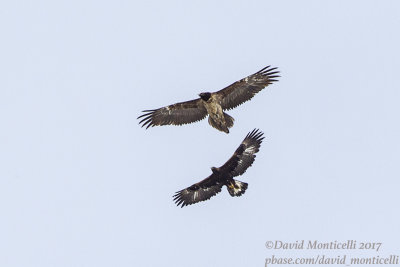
(250, 150)
(196, 193)
(246, 159)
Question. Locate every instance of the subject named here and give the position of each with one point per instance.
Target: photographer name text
(317, 245)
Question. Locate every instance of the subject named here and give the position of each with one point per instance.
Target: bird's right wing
(244, 155)
(176, 114)
(246, 88)
(200, 191)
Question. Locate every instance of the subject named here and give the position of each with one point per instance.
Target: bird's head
(214, 170)
(205, 96)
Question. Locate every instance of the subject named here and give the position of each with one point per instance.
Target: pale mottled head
(205, 96)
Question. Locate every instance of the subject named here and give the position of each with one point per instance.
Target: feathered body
(217, 118)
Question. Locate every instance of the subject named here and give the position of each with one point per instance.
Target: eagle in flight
(242, 159)
(212, 104)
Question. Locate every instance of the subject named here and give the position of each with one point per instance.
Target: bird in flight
(212, 104)
(242, 159)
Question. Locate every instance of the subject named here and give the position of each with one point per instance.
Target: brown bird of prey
(212, 104)
(242, 159)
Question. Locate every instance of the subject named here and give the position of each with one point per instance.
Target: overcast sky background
(81, 184)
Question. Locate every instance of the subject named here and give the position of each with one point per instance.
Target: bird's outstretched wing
(244, 89)
(176, 114)
(244, 155)
(200, 191)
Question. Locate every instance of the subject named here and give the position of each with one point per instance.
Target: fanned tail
(228, 120)
(236, 188)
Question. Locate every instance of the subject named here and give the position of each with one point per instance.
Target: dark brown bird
(212, 104)
(242, 159)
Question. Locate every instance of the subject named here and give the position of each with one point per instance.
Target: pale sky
(81, 184)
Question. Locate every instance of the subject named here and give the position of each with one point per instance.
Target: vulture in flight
(212, 104)
(242, 159)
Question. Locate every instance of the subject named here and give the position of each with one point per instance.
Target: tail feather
(236, 188)
(218, 125)
(228, 120)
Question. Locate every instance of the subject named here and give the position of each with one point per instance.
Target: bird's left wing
(176, 114)
(244, 155)
(200, 191)
(244, 89)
